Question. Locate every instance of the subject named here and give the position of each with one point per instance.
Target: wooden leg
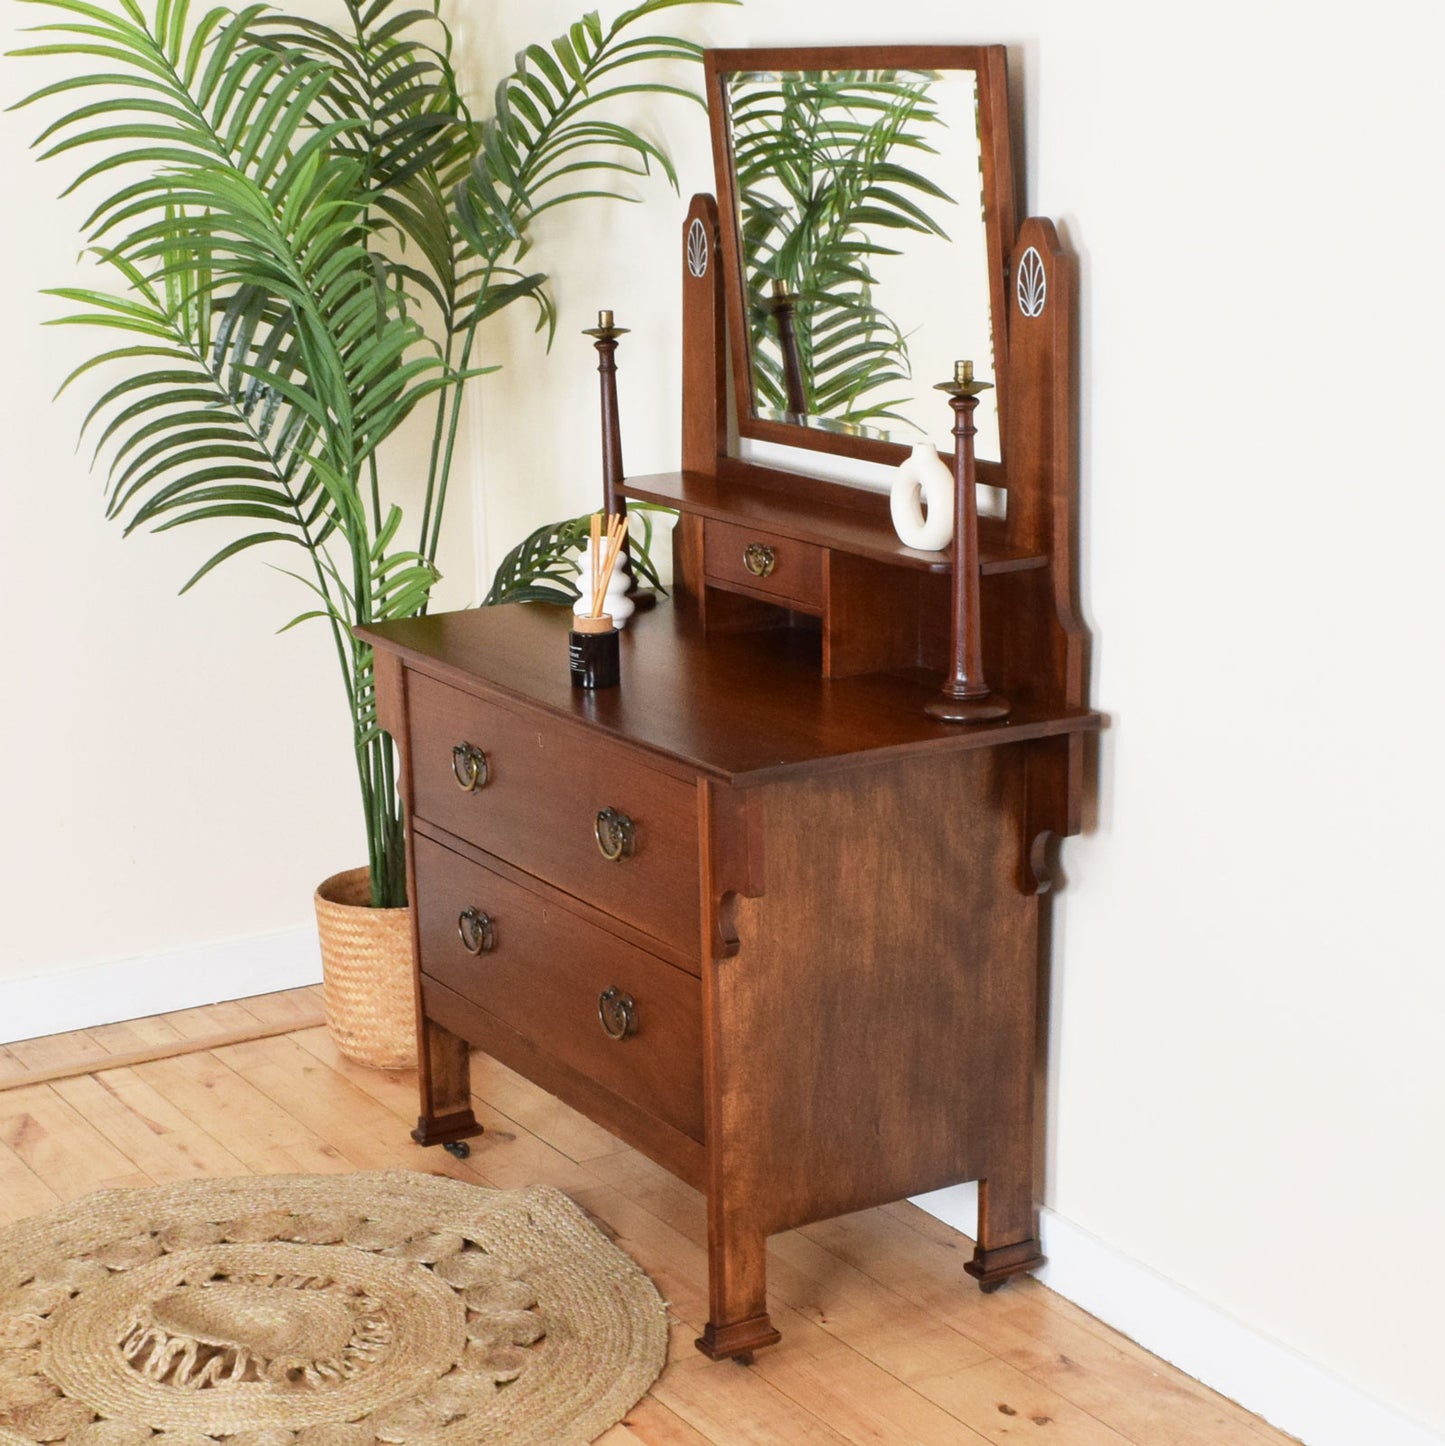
(737, 1287)
(1007, 1244)
(445, 1078)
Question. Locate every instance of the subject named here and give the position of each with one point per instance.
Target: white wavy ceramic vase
(616, 603)
(922, 500)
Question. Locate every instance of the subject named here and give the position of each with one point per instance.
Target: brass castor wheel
(986, 1286)
(457, 1148)
(744, 1358)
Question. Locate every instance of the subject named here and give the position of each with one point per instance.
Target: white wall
(1246, 1091)
(174, 774)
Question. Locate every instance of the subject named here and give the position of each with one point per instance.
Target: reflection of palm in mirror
(827, 177)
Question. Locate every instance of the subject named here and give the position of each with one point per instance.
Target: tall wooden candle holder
(613, 502)
(784, 313)
(967, 697)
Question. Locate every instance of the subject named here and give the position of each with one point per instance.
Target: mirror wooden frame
(1000, 193)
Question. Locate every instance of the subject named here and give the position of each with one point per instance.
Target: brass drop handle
(758, 559)
(616, 835)
(617, 1012)
(478, 932)
(470, 767)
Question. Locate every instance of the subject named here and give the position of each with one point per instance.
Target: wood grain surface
(544, 977)
(747, 709)
(547, 781)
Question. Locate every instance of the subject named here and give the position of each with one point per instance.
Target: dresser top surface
(746, 708)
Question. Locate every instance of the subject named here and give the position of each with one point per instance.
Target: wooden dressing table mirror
(754, 910)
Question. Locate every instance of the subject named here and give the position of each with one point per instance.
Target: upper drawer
(760, 562)
(617, 1014)
(546, 784)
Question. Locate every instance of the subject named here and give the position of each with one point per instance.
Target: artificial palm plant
(821, 184)
(306, 227)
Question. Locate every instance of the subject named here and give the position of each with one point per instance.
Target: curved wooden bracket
(725, 926)
(732, 846)
(1052, 809)
(1039, 867)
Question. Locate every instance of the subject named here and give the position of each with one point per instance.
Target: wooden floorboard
(56, 1051)
(132, 1036)
(885, 1342)
(22, 1191)
(138, 1041)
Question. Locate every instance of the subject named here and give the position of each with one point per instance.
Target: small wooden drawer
(543, 971)
(764, 564)
(531, 790)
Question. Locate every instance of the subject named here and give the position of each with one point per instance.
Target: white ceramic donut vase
(923, 478)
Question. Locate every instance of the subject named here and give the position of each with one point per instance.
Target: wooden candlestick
(967, 697)
(784, 312)
(613, 502)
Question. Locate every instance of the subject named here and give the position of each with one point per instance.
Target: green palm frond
(544, 565)
(417, 137)
(541, 567)
(525, 155)
(401, 580)
(819, 183)
(545, 137)
(289, 212)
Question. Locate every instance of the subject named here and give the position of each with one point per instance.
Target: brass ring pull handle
(616, 835)
(478, 933)
(758, 559)
(470, 767)
(617, 1012)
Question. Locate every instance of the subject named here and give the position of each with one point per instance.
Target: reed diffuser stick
(617, 540)
(603, 564)
(596, 555)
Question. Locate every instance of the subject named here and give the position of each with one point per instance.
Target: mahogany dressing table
(755, 910)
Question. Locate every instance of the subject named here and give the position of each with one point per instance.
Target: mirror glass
(859, 204)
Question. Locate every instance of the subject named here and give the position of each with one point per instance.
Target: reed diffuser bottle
(593, 650)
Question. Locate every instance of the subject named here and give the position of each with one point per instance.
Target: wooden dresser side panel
(874, 1034)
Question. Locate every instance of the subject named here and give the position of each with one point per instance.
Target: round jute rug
(334, 1310)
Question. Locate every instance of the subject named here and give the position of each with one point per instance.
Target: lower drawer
(562, 983)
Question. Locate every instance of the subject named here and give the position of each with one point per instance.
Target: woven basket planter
(366, 967)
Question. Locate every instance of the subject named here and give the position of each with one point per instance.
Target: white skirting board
(1289, 1391)
(157, 984)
